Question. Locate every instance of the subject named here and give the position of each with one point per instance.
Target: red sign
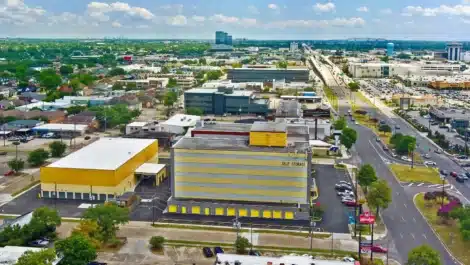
(366, 218)
(127, 58)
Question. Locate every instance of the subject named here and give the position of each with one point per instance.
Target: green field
(417, 174)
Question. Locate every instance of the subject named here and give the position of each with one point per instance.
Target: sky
(251, 19)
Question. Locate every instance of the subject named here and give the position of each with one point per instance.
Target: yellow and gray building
(102, 170)
(265, 176)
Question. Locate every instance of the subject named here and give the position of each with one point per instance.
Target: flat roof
(150, 168)
(260, 126)
(138, 123)
(225, 126)
(104, 154)
(202, 90)
(62, 127)
(288, 260)
(182, 120)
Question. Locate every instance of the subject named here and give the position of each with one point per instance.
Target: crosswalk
(427, 185)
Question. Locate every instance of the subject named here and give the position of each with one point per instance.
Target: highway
(406, 227)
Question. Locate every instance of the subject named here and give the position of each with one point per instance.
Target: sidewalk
(143, 230)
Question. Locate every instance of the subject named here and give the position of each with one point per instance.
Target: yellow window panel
(254, 213)
(289, 215)
(277, 214)
(207, 211)
(267, 214)
(196, 210)
(230, 212)
(242, 212)
(219, 211)
(173, 208)
(183, 209)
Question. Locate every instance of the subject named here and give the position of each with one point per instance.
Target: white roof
(137, 124)
(62, 127)
(150, 168)
(182, 120)
(263, 260)
(319, 143)
(104, 154)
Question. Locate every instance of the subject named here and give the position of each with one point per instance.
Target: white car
(406, 158)
(348, 259)
(427, 156)
(430, 163)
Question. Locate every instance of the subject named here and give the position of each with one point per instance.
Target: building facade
(390, 49)
(454, 51)
(222, 37)
(267, 75)
(221, 101)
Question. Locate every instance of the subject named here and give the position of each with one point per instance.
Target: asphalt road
(406, 227)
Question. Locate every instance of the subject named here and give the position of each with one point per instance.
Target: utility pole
(372, 242)
(355, 206)
(251, 237)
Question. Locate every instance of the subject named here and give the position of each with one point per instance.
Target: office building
(294, 47)
(223, 38)
(221, 101)
(100, 171)
(267, 75)
(223, 258)
(454, 50)
(390, 49)
(260, 171)
(367, 70)
(457, 118)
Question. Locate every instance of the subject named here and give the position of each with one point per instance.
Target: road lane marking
(425, 236)
(413, 236)
(435, 185)
(411, 184)
(401, 235)
(414, 220)
(405, 205)
(403, 219)
(420, 184)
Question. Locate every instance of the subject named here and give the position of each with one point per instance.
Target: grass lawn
(417, 174)
(457, 246)
(332, 98)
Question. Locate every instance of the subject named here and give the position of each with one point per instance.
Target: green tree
(75, 84)
(131, 86)
(116, 71)
(172, 83)
(16, 164)
(348, 137)
(157, 242)
(411, 150)
(340, 123)
(117, 86)
(465, 229)
(385, 128)
(353, 86)
(403, 56)
(76, 250)
(242, 245)
(366, 176)
(108, 217)
(385, 59)
(403, 144)
(379, 195)
(194, 111)
(282, 64)
(57, 148)
(165, 70)
(423, 255)
(214, 75)
(49, 79)
(202, 61)
(66, 69)
(86, 79)
(38, 157)
(75, 109)
(20, 72)
(396, 138)
(236, 65)
(44, 222)
(89, 230)
(43, 257)
(168, 101)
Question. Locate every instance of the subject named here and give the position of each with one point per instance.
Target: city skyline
(264, 19)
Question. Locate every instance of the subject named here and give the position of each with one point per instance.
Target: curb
(434, 231)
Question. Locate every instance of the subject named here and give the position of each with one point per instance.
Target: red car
(351, 203)
(9, 173)
(453, 174)
(375, 249)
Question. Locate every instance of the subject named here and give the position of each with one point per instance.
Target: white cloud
(273, 6)
(457, 10)
(18, 13)
(327, 7)
(253, 10)
(143, 26)
(219, 18)
(178, 20)
(337, 22)
(198, 18)
(386, 11)
(116, 24)
(175, 8)
(99, 10)
(248, 21)
(363, 9)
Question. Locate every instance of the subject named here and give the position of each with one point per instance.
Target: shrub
(156, 242)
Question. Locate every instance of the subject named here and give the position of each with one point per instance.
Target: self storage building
(99, 171)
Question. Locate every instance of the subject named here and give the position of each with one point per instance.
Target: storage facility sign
(366, 218)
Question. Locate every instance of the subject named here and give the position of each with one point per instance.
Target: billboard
(366, 218)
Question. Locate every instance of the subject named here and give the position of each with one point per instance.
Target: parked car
(342, 182)
(207, 252)
(397, 127)
(254, 253)
(40, 243)
(385, 148)
(3, 153)
(379, 249)
(430, 163)
(467, 174)
(377, 139)
(9, 173)
(460, 179)
(218, 250)
(427, 156)
(348, 259)
(443, 172)
(453, 174)
(351, 203)
(405, 158)
(437, 151)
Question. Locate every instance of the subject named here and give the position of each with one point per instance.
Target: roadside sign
(366, 218)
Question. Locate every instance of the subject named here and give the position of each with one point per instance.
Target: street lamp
(237, 225)
(16, 143)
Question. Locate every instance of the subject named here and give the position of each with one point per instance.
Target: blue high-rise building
(222, 37)
(390, 49)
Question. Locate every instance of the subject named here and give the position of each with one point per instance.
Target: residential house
(131, 101)
(5, 104)
(84, 118)
(147, 101)
(31, 97)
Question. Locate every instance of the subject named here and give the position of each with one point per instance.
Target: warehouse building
(99, 171)
(265, 175)
(267, 75)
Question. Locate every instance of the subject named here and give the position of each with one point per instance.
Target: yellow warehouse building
(100, 171)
